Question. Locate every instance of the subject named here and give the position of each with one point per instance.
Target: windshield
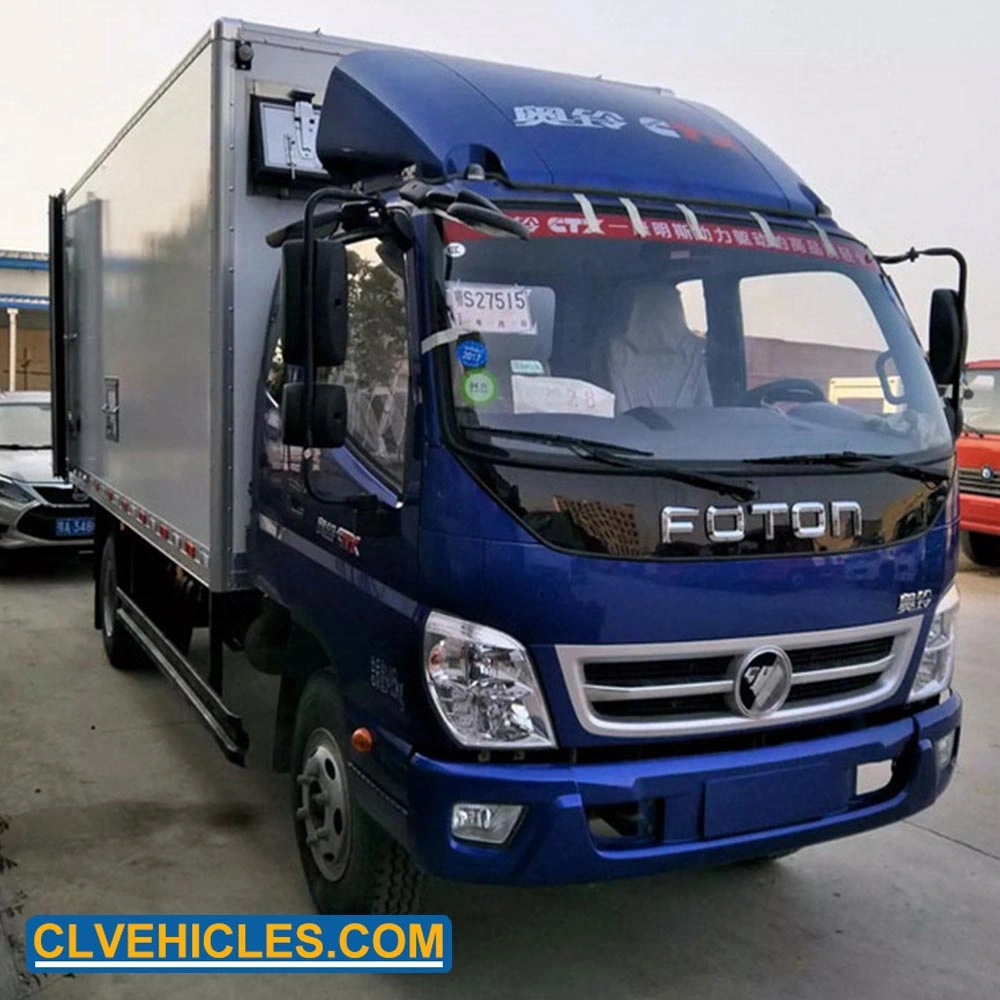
(982, 408)
(25, 425)
(744, 343)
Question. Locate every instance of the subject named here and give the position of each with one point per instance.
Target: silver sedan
(37, 510)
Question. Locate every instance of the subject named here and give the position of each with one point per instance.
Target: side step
(224, 725)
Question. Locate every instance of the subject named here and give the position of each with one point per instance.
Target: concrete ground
(118, 802)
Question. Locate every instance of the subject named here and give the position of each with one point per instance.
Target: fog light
(944, 751)
(486, 824)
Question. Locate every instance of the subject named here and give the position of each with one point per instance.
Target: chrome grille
(686, 688)
(971, 481)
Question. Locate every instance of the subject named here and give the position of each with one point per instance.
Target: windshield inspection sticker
(472, 354)
(454, 250)
(527, 366)
(545, 394)
(479, 387)
(490, 308)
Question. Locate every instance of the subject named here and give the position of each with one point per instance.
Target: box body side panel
(140, 321)
(169, 283)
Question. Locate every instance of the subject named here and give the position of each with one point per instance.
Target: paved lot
(118, 802)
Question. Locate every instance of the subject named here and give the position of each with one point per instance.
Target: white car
(37, 510)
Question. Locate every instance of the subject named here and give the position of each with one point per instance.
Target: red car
(979, 464)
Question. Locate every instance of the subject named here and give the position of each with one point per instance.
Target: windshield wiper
(566, 440)
(856, 460)
(23, 447)
(966, 426)
(622, 457)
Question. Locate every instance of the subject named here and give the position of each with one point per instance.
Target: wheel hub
(324, 808)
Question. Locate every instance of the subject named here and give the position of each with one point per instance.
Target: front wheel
(351, 865)
(983, 550)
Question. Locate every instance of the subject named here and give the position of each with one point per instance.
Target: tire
(351, 865)
(983, 550)
(122, 651)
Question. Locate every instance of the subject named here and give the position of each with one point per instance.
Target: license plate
(753, 802)
(74, 527)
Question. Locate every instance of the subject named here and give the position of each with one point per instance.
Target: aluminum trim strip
(647, 692)
(176, 546)
(839, 673)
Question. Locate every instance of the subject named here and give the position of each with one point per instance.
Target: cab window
(376, 372)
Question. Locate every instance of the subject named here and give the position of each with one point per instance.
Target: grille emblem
(762, 682)
(987, 472)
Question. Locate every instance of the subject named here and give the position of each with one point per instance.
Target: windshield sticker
(490, 308)
(472, 354)
(679, 232)
(479, 387)
(546, 394)
(527, 366)
(454, 250)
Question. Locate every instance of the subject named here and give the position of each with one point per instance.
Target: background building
(24, 320)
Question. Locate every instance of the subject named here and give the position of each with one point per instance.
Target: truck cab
(609, 560)
(979, 464)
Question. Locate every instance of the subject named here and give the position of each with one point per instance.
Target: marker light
(938, 661)
(362, 740)
(484, 824)
(483, 685)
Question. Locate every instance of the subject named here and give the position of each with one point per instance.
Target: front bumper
(979, 513)
(710, 809)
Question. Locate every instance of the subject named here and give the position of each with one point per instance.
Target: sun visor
(386, 110)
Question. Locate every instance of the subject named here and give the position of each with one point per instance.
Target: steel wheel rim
(324, 805)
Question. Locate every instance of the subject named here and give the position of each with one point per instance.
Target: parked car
(979, 464)
(37, 510)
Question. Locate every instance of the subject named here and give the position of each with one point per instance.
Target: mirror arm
(910, 256)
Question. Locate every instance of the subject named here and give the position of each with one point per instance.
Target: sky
(889, 110)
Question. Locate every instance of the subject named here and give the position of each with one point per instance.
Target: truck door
(77, 291)
(347, 517)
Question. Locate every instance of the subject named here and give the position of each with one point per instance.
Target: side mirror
(328, 420)
(947, 336)
(328, 298)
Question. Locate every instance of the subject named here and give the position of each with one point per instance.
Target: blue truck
(580, 483)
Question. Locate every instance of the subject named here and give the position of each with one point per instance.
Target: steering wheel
(785, 390)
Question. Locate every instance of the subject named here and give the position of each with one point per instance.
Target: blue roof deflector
(387, 109)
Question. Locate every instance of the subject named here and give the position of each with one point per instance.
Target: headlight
(10, 491)
(484, 686)
(938, 662)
